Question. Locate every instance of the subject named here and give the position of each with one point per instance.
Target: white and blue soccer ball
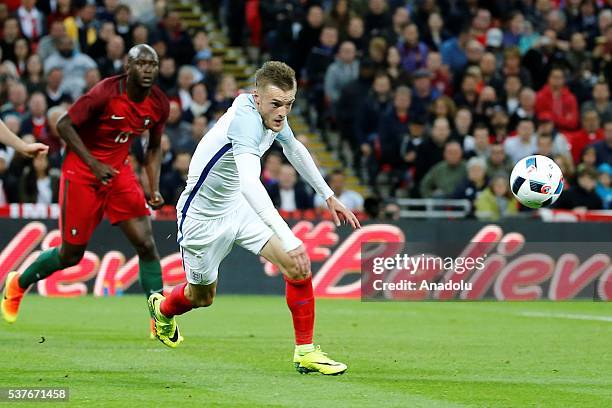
(536, 181)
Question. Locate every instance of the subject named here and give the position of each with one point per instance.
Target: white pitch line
(568, 316)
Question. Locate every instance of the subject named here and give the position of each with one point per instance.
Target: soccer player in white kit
(225, 202)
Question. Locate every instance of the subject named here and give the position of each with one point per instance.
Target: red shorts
(83, 205)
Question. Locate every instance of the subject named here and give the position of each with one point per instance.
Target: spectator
(540, 59)
(443, 107)
(16, 104)
(412, 51)
(200, 104)
(72, 64)
(31, 21)
(38, 183)
(356, 34)
(123, 26)
(496, 201)
(547, 127)
(83, 29)
(453, 51)
(166, 79)
(475, 181)
(176, 39)
(442, 179)
(10, 34)
(33, 75)
(567, 168)
(377, 18)
(412, 141)
(525, 109)
(377, 52)
(431, 151)
(604, 185)
(582, 195)
(601, 102)
(545, 145)
(435, 35)
(556, 98)
(99, 48)
(58, 12)
(173, 182)
(591, 132)
(394, 69)
(177, 130)
(511, 91)
(113, 62)
(603, 148)
(462, 126)
(185, 81)
(440, 77)
(271, 168)
(342, 71)
(226, 92)
(351, 199)
(392, 129)
(478, 144)
(524, 143)
(140, 35)
(422, 93)
(22, 52)
(48, 44)
(498, 162)
(308, 37)
(54, 92)
(370, 113)
(289, 194)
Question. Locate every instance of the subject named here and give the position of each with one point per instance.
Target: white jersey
(213, 186)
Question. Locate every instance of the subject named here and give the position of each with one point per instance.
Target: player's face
(274, 105)
(144, 69)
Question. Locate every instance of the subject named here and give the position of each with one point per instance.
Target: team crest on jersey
(74, 232)
(147, 120)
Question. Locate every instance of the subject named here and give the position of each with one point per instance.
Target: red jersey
(107, 121)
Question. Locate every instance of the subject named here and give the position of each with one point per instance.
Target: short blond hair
(275, 73)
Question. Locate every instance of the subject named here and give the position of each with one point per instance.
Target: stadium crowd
(437, 98)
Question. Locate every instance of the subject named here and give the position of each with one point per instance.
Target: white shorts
(205, 243)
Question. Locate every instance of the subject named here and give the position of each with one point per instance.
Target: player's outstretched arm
(68, 133)
(300, 158)
(28, 149)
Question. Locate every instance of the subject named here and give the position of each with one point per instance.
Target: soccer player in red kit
(97, 178)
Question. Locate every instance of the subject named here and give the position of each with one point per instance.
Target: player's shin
(151, 277)
(47, 262)
(176, 303)
(300, 300)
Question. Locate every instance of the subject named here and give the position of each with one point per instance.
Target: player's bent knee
(70, 259)
(146, 249)
(205, 301)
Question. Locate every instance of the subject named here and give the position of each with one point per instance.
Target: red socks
(176, 303)
(300, 300)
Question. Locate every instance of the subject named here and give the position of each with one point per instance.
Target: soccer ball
(536, 181)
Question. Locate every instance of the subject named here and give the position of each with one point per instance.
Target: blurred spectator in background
(496, 201)
(525, 109)
(54, 91)
(431, 150)
(478, 144)
(423, 94)
(557, 99)
(33, 77)
(475, 181)
(443, 178)
(392, 129)
(113, 62)
(83, 28)
(581, 195)
(38, 183)
(271, 168)
(603, 148)
(601, 102)
(412, 51)
(290, 194)
(16, 104)
(342, 71)
(591, 132)
(99, 48)
(524, 143)
(73, 66)
(604, 185)
(172, 183)
(351, 199)
(176, 39)
(498, 162)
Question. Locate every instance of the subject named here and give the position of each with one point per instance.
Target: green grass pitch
(238, 354)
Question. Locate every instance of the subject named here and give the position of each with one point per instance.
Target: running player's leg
(140, 234)
(81, 211)
(127, 207)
